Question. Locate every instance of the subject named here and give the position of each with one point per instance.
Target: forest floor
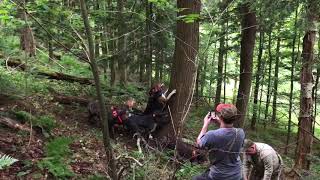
(86, 158)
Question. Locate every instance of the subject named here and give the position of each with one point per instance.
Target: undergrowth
(57, 158)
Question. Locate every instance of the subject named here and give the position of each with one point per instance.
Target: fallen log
(70, 99)
(66, 77)
(13, 124)
(51, 75)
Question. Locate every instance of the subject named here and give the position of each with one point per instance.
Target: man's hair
(228, 113)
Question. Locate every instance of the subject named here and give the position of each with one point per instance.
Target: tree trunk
(148, 41)
(256, 87)
(248, 34)
(27, 41)
(50, 49)
(304, 143)
(220, 67)
(184, 68)
(106, 139)
(234, 96)
(121, 44)
(269, 78)
(276, 81)
(293, 63)
(315, 88)
(226, 58)
(111, 49)
(203, 75)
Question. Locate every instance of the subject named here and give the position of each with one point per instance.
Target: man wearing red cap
(224, 144)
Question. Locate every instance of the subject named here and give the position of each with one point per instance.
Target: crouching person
(224, 144)
(261, 162)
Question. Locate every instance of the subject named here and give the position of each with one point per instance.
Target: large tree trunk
(248, 35)
(305, 139)
(184, 68)
(257, 84)
(106, 139)
(27, 41)
(276, 81)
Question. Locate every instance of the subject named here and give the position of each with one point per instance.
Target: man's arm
(246, 164)
(206, 122)
(268, 167)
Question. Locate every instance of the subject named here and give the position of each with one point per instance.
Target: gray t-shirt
(224, 146)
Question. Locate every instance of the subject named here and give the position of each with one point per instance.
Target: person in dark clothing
(157, 99)
(224, 144)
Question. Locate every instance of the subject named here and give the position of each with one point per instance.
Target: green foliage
(97, 177)
(46, 122)
(190, 18)
(6, 160)
(189, 170)
(56, 160)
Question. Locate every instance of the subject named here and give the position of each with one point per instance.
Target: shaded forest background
(262, 56)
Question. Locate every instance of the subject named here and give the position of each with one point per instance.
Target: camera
(212, 115)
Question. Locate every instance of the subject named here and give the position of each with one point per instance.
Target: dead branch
(14, 124)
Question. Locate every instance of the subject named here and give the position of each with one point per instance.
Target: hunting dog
(154, 117)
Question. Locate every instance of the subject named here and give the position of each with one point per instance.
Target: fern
(6, 160)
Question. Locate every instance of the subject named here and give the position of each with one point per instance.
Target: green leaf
(6, 160)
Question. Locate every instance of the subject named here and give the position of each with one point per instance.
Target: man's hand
(207, 119)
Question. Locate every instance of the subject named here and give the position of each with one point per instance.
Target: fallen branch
(70, 99)
(66, 77)
(51, 75)
(14, 124)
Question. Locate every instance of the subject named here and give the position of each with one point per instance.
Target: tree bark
(148, 58)
(27, 41)
(257, 83)
(121, 44)
(248, 34)
(184, 68)
(106, 138)
(269, 77)
(305, 139)
(276, 82)
(293, 63)
(220, 67)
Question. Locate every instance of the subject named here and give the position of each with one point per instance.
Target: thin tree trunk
(256, 87)
(293, 63)
(220, 67)
(276, 81)
(248, 35)
(234, 96)
(203, 75)
(148, 41)
(106, 139)
(50, 49)
(269, 78)
(121, 44)
(226, 58)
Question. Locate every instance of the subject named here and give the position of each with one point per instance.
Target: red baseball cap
(227, 110)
